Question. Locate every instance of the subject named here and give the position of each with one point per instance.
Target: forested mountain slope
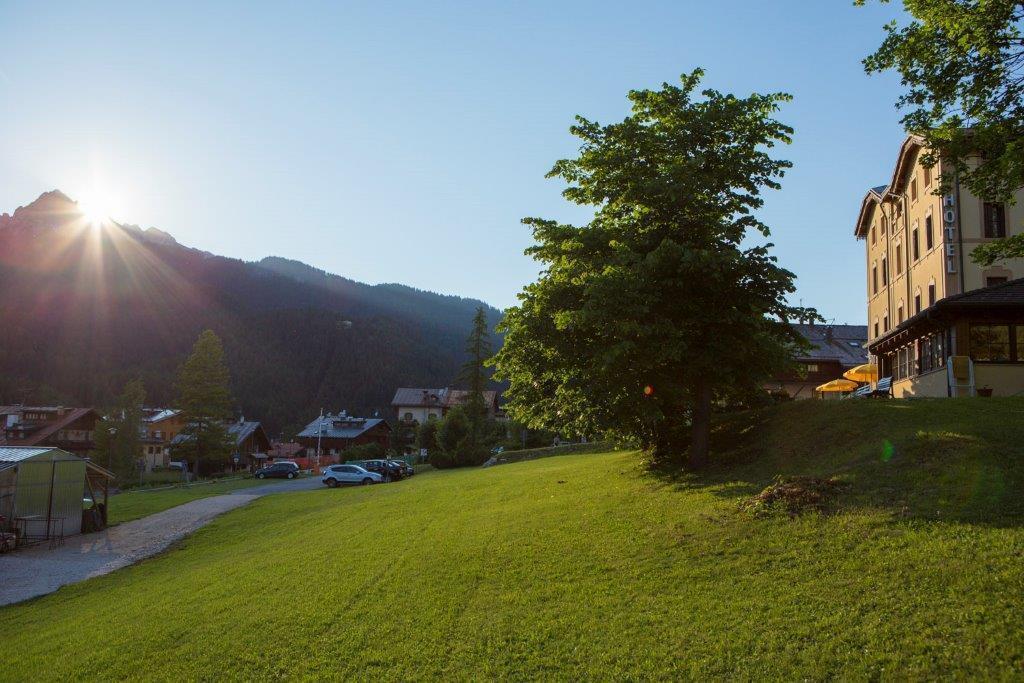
(82, 310)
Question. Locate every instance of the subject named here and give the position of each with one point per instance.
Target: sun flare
(97, 207)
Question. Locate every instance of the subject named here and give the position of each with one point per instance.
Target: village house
(251, 444)
(420, 405)
(250, 447)
(334, 434)
(70, 429)
(938, 323)
(834, 349)
(159, 427)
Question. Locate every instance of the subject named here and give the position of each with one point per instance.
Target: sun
(97, 207)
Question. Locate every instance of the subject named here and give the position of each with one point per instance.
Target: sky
(404, 141)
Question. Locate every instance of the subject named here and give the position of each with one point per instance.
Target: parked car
(179, 465)
(391, 470)
(407, 469)
(336, 475)
(279, 470)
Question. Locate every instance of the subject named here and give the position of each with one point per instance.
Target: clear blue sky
(403, 142)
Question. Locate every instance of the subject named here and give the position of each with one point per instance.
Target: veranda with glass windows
(986, 326)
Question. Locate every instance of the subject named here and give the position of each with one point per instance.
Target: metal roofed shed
(42, 490)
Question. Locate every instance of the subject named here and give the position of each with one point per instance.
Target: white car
(336, 475)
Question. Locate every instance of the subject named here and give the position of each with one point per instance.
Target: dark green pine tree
(205, 400)
(474, 374)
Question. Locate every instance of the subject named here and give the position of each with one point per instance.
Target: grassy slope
(140, 503)
(614, 573)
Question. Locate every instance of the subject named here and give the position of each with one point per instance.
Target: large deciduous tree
(657, 307)
(205, 400)
(962, 62)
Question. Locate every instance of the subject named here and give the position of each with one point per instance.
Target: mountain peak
(52, 202)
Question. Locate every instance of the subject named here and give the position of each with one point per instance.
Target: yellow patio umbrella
(837, 385)
(863, 373)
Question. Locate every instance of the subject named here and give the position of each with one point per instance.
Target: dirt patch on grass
(794, 496)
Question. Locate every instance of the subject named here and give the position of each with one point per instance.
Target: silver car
(336, 475)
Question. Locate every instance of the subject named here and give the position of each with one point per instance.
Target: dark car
(279, 470)
(407, 469)
(389, 469)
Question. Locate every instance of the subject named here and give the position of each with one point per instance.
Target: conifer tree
(205, 400)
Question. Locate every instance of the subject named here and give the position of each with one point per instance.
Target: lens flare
(888, 450)
(97, 207)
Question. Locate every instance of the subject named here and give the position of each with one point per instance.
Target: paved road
(37, 571)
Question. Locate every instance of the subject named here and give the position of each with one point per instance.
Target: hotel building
(939, 324)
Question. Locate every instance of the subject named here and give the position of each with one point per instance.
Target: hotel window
(990, 342)
(1018, 335)
(913, 190)
(916, 244)
(872, 234)
(929, 239)
(917, 302)
(876, 328)
(884, 223)
(899, 314)
(904, 362)
(885, 323)
(931, 353)
(992, 280)
(812, 367)
(931, 294)
(899, 259)
(885, 272)
(874, 278)
(927, 177)
(995, 220)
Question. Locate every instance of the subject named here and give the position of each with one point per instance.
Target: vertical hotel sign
(949, 223)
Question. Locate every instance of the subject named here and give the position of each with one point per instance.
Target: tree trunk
(700, 429)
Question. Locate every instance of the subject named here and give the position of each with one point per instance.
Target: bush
(366, 451)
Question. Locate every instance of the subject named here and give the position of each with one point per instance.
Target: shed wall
(32, 494)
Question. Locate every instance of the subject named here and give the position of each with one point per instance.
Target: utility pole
(319, 434)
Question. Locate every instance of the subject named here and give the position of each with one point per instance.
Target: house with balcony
(419, 405)
(159, 427)
(331, 435)
(70, 429)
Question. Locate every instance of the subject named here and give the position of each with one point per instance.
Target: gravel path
(37, 571)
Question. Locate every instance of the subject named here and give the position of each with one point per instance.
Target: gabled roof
(406, 397)
(912, 144)
(161, 415)
(340, 426)
(243, 430)
(48, 429)
(841, 343)
(239, 430)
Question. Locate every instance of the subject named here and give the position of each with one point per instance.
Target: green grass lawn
(589, 566)
(141, 502)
